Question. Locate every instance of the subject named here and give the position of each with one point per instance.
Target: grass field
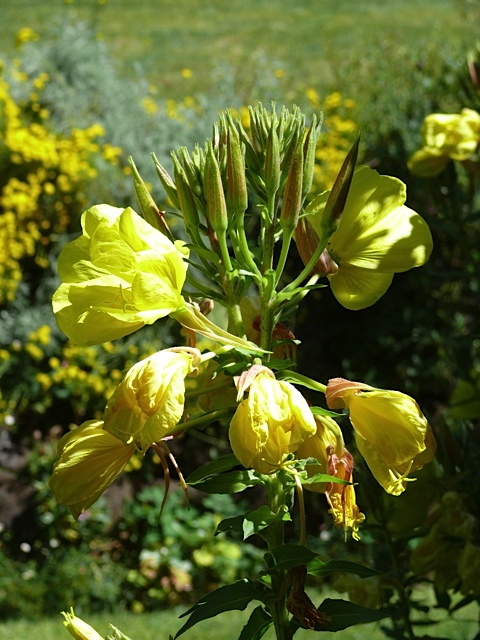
(158, 626)
(304, 43)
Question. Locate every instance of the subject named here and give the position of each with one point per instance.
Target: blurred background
(83, 85)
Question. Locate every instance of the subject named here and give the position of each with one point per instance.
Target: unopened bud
(307, 242)
(272, 161)
(167, 183)
(292, 198)
(150, 211)
(214, 194)
(237, 195)
(185, 197)
(309, 148)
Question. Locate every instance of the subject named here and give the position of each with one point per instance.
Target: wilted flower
(391, 432)
(445, 137)
(377, 236)
(270, 424)
(328, 448)
(90, 460)
(119, 275)
(79, 629)
(149, 402)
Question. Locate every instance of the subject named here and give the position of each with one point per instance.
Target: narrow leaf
(288, 556)
(258, 624)
(224, 463)
(318, 568)
(323, 477)
(233, 596)
(233, 482)
(345, 614)
(320, 411)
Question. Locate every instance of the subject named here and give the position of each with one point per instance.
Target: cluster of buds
(240, 195)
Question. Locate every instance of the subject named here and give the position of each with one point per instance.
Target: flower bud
(214, 195)
(237, 196)
(391, 432)
(309, 148)
(292, 197)
(79, 629)
(272, 160)
(185, 198)
(270, 424)
(167, 183)
(149, 402)
(150, 211)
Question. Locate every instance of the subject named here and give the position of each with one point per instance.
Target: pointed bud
(272, 161)
(79, 629)
(214, 195)
(307, 242)
(167, 183)
(237, 196)
(292, 198)
(185, 197)
(150, 211)
(309, 148)
(192, 172)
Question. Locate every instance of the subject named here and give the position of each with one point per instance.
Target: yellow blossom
(118, 276)
(377, 236)
(90, 460)
(270, 424)
(150, 400)
(391, 432)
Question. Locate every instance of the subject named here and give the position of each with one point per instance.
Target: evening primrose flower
(391, 432)
(119, 275)
(79, 629)
(271, 423)
(150, 400)
(445, 137)
(90, 460)
(328, 448)
(377, 236)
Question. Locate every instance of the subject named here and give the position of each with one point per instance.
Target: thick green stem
(234, 313)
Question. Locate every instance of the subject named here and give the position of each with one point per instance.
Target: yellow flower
(118, 276)
(377, 236)
(271, 423)
(445, 137)
(90, 460)
(328, 448)
(150, 400)
(79, 629)
(391, 432)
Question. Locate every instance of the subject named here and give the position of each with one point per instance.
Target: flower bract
(377, 236)
(270, 424)
(90, 460)
(119, 275)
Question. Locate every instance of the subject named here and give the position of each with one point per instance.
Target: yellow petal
(90, 460)
(356, 288)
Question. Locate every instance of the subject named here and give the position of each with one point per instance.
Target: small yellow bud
(79, 629)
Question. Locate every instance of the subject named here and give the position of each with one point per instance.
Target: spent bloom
(90, 459)
(377, 236)
(271, 423)
(445, 137)
(149, 402)
(328, 448)
(119, 275)
(391, 432)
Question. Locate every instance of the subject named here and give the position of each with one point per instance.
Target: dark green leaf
(345, 614)
(233, 482)
(234, 596)
(288, 556)
(318, 568)
(224, 463)
(230, 524)
(258, 624)
(259, 519)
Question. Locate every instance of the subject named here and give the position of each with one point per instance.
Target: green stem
(204, 420)
(234, 313)
(298, 378)
(286, 241)
(245, 249)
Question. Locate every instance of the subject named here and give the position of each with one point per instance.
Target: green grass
(157, 626)
(311, 41)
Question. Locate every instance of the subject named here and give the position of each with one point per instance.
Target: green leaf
(224, 463)
(260, 519)
(323, 477)
(320, 411)
(233, 482)
(318, 568)
(345, 614)
(288, 556)
(230, 524)
(258, 624)
(234, 596)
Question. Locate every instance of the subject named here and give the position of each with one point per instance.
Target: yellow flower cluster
(338, 133)
(42, 186)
